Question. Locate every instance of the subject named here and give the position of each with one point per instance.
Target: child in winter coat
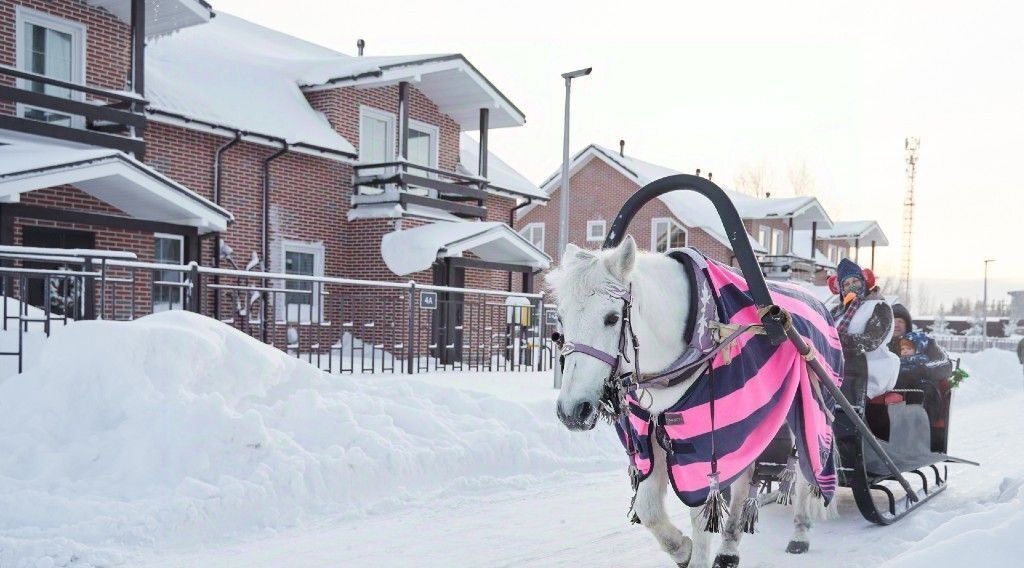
(926, 359)
(865, 324)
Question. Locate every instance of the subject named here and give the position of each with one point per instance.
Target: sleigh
(882, 446)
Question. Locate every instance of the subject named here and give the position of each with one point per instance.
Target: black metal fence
(975, 343)
(340, 325)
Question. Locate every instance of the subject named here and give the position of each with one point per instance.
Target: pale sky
(719, 87)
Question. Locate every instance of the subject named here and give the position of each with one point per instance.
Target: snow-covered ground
(177, 441)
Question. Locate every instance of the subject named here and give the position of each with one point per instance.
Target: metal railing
(408, 183)
(340, 325)
(787, 267)
(111, 119)
(975, 343)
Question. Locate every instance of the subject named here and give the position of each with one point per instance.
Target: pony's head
(588, 286)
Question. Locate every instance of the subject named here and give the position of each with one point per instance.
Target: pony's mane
(584, 272)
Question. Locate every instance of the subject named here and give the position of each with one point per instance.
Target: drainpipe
(266, 221)
(512, 224)
(216, 199)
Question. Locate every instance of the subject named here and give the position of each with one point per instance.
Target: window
(305, 259)
(534, 232)
(53, 47)
(168, 294)
(765, 237)
(778, 242)
(376, 140)
(666, 234)
(832, 253)
(595, 230)
(423, 144)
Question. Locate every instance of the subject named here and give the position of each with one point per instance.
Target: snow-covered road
(175, 441)
(579, 520)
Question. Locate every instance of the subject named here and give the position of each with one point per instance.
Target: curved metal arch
(734, 229)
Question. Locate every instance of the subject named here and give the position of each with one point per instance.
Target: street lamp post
(563, 213)
(984, 307)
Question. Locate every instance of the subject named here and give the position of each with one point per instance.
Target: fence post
(410, 350)
(195, 290)
(89, 283)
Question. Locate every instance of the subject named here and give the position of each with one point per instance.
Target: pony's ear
(620, 262)
(574, 254)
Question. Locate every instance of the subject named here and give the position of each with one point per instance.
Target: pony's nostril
(583, 411)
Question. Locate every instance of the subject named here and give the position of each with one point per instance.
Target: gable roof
(852, 231)
(236, 74)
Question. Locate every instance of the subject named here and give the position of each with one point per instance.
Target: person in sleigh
(921, 357)
(864, 321)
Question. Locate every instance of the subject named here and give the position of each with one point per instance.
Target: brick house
(181, 134)
(844, 240)
(602, 180)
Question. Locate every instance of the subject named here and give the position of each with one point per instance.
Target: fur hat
(899, 311)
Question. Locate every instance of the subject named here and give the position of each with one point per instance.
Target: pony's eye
(611, 319)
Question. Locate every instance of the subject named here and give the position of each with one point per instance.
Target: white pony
(660, 304)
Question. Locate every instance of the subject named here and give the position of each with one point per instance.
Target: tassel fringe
(787, 482)
(715, 509)
(748, 518)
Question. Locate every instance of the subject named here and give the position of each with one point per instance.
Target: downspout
(266, 222)
(216, 200)
(512, 225)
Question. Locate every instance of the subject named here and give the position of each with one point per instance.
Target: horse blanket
(757, 388)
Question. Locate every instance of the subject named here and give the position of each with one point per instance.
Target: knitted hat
(899, 311)
(848, 268)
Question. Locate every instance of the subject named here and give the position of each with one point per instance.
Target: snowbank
(994, 374)
(176, 430)
(991, 535)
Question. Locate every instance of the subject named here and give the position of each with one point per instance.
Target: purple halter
(568, 347)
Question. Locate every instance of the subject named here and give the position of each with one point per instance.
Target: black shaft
(850, 411)
(734, 230)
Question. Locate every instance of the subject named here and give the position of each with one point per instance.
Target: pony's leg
(650, 508)
(701, 540)
(806, 508)
(729, 554)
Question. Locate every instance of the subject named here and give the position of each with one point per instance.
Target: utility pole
(910, 147)
(563, 213)
(984, 307)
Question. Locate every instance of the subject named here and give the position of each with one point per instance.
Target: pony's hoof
(798, 547)
(726, 561)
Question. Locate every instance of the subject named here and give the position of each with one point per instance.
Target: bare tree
(753, 180)
(801, 181)
(923, 304)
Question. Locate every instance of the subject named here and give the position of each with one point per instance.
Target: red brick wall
(341, 105)
(107, 41)
(598, 192)
(754, 227)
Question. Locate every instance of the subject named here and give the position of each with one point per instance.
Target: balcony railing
(111, 119)
(789, 267)
(406, 183)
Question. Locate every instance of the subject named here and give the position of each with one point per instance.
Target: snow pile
(176, 429)
(994, 374)
(991, 534)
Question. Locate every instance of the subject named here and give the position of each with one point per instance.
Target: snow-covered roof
(851, 231)
(237, 74)
(110, 176)
(691, 208)
(413, 250)
(500, 175)
(449, 80)
(162, 16)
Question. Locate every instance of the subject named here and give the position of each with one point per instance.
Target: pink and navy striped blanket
(757, 390)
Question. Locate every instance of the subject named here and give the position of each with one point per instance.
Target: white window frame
(596, 223)
(76, 30)
(434, 133)
(390, 118)
(295, 313)
(529, 229)
(764, 236)
(181, 251)
(658, 221)
(778, 242)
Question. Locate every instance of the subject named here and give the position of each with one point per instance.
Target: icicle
(748, 518)
(787, 482)
(715, 510)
